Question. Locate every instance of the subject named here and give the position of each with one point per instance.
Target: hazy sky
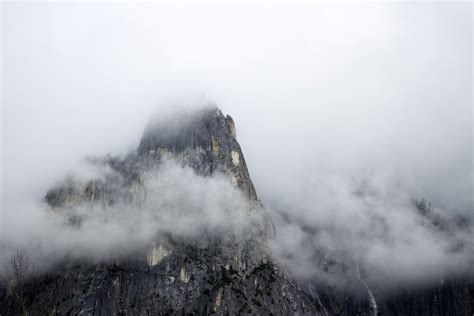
(323, 95)
(312, 87)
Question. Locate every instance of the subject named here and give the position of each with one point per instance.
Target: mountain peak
(204, 139)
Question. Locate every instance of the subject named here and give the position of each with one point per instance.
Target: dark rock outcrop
(204, 140)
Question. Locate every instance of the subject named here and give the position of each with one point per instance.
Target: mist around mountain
(392, 233)
(339, 184)
(186, 189)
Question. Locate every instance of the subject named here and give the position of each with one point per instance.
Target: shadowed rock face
(216, 274)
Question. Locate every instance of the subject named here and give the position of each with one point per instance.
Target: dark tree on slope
(15, 277)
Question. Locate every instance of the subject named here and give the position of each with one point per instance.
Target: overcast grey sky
(313, 88)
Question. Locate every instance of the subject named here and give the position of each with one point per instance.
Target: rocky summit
(220, 272)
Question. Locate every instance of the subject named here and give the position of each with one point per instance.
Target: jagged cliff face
(221, 271)
(205, 140)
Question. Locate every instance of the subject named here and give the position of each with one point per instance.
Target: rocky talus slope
(222, 273)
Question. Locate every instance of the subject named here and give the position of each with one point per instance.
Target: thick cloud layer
(326, 97)
(370, 223)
